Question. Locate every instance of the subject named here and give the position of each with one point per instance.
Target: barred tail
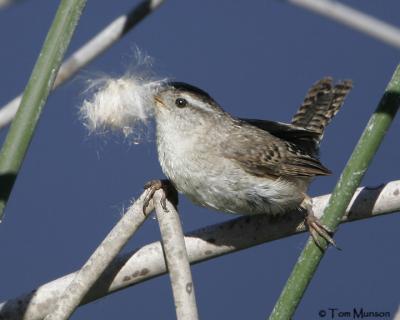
(321, 104)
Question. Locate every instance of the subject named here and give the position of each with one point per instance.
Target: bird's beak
(159, 102)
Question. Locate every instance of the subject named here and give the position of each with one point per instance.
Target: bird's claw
(317, 228)
(152, 186)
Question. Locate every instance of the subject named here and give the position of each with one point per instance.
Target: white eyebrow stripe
(197, 103)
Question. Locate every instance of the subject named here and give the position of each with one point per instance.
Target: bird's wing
(264, 155)
(287, 132)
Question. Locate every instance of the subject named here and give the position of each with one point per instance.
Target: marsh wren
(244, 166)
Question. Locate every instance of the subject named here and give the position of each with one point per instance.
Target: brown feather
(273, 149)
(264, 155)
(321, 104)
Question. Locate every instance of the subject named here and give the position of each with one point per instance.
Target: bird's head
(185, 106)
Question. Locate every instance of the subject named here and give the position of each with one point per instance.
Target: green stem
(35, 95)
(350, 179)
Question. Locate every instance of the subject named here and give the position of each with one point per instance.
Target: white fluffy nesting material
(119, 104)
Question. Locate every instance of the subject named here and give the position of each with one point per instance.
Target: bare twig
(6, 3)
(204, 244)
(397, 314)
(100, 259)
(93, 48)
(173, 244)
(353, 18)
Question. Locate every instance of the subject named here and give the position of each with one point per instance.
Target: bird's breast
(212, 180)
(218, 183)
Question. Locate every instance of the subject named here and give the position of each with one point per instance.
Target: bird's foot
(316, 227)
(169, 191)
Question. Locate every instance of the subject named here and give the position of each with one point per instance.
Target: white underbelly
(230, 189)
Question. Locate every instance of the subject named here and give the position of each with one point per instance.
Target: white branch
(207, 243)
(353, 18)
(6, 3)
(99, 260)
(93, 48)
(397, 314)
(177, 260)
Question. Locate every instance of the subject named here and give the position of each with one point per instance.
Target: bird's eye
(180, 102)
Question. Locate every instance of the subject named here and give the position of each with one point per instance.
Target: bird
(244, 166)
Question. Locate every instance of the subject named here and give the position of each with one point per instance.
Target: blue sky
(257, 61)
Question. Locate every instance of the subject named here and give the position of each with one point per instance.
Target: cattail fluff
(119, 104)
